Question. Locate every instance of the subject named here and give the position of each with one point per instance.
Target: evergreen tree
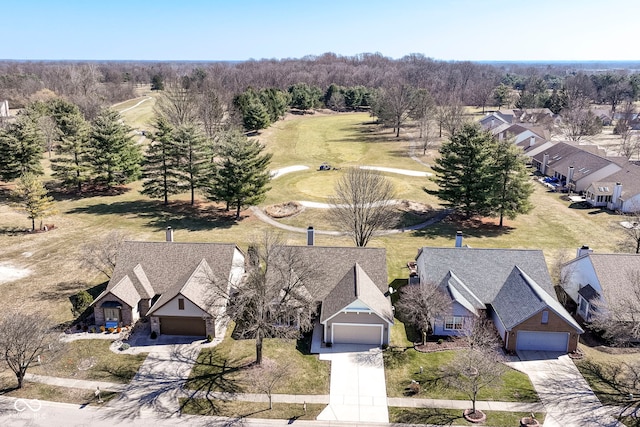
(255, 115)
(240, 176)
(304, 97)
(276, 102)
(114, 156)
(20, 149)
(72, 164)
(191, 144)
(161, 166)
(31, 196)
(463, 171)
(512, 186)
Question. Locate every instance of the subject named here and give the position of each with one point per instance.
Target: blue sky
(243, 29)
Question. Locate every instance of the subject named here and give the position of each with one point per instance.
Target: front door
(112, 317)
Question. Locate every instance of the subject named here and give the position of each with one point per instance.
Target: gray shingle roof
(331, 264)
(562, 155)
(588, 293)
(159, 267)
(629, 177)
(616, 274)
(126, 291)
(356, 285)
(521, 297)
(484, 271)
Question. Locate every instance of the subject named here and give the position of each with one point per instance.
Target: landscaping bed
(58, 394)
(238, 409)
(434, 416)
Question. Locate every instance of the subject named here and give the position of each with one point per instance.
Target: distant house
(618, 192)
(511, 287)
(592, 279)
(4, 108)
(532, 116)
(575, 165)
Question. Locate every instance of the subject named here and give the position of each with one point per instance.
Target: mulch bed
(448, 343)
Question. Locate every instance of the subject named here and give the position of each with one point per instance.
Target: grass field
(340, 139)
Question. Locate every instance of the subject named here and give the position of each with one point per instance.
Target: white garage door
(346, 333)
(546, 341)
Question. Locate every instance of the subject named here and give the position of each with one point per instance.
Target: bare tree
(421, 304)
(26, 338)
(619, 319)
(363, 203)
(628, 144)
(272, 302)
(631, 240)
(265, 377)
(178, 105)
(450, 116)
(394, 104)
(481, 334)
(100, 255)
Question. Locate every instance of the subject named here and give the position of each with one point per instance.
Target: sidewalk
(405, 402)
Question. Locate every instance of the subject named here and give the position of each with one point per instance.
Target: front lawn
(225, 367)
(91, 360)
(238, 409)
(453, 416)
(58, 394)
(402, 366)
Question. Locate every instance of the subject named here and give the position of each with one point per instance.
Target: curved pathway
(134, 106)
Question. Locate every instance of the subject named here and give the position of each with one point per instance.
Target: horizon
(244, 30)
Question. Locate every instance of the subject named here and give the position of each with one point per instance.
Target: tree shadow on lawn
(430, 416)
(473, 227)
(180, 215)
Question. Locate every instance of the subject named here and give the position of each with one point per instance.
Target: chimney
(584, 250)
(310, 236)
(532, 141)
(545, 163)
(617, 192)
(458, 239)
(169, 234)
(492, 122)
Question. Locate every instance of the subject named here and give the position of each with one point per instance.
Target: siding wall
(171, 309)
(555, 324)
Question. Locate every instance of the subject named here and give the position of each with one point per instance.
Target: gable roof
(615, 273)
(460, 293)
(521, 291)
(562, 155)
(483, 271)
(356, 285)
(331, 264)
(197, 289)
(126, 292)
(156, 268)
(628, 176)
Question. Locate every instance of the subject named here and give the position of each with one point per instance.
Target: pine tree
(161, 166)
(512, 186)
(240, 176)
(72, 164)
(191, 144)
(20, 149)
(31, 196)
(463, 171)
(114, 156)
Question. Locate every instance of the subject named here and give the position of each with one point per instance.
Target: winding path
(134, 106)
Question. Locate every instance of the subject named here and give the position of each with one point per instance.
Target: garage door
(346, 333)
(182, 326)
(546, 341)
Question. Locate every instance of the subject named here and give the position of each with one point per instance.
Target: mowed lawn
(342, 140)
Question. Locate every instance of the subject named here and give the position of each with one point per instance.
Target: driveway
(358, 389)
(568, 399)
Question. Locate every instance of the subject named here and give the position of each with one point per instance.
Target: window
(180, 303)
(112, 314)
(453, 323)
(545, 317)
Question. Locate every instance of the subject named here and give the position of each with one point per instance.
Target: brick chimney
(169, 234)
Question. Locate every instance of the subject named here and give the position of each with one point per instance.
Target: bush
(413, 389)
(124, 346)
(110, 330)
(209, 338)
(154, 335)
(102, 329)
(92, 330)
(78, 326)
(118, 329)
(80, 302)
(85, 328)
(440, 341)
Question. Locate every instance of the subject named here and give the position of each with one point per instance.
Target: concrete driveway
(568, 399)
(358, 388)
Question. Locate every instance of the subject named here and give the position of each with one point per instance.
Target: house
(538, 116)
(593, 277)
(575, 165)
(619, 191)
(512, 287)
(350, 285)
(170, 284)
(173, 286)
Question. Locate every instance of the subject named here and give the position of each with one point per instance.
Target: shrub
(154, 335)
(80, 302)
(85, 328)
(78, 326)
(102, 329)
(92, 330)
(110, 330)
(124, 346)
(118, 329)
(440, 341)
(413, 389)
(385, 346)
(209, 338)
